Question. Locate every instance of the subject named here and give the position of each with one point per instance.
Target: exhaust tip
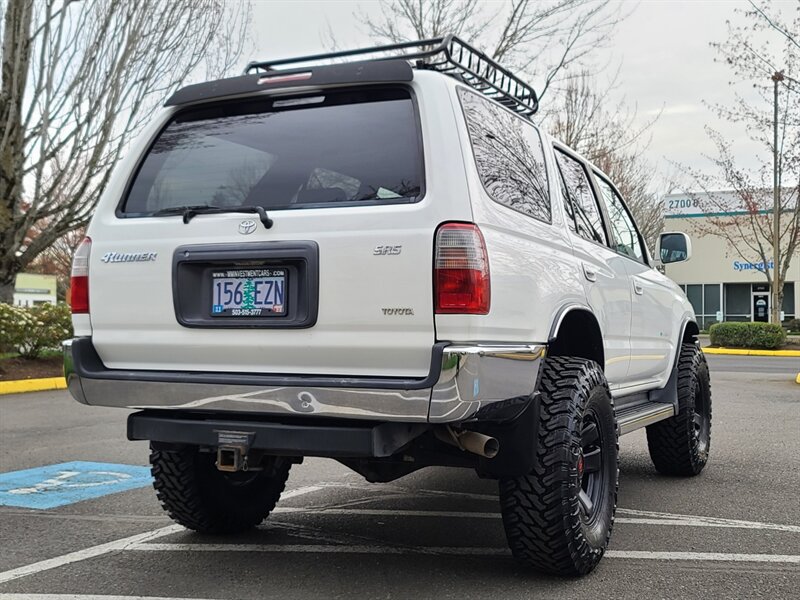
(491, 448)
(471, 441)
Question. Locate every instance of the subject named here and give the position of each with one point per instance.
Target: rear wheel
(680, 445)
(199, 496)
(558, 518)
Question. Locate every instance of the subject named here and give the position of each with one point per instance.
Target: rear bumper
(465, 383)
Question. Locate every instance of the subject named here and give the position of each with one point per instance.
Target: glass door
(761, 307)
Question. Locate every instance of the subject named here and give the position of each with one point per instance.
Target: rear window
(328, 149)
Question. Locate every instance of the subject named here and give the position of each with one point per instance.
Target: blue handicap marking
(65, 483)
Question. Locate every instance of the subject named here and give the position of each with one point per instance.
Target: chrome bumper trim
(73, 380)
(475, 382)
(478, 380)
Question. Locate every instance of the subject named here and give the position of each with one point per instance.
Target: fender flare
(669, 393)
(687, 322)
(558, 318)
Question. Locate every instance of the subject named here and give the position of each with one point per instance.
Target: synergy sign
(752, 266)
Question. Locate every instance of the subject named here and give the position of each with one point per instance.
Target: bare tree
(546, 41)
(742, 215)
(747, 223)
(78, 80)
(542, 39)
(57, 260)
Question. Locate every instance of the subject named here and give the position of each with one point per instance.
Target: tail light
(79, 282)
(461, 270)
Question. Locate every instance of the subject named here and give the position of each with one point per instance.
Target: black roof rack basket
(448, 54)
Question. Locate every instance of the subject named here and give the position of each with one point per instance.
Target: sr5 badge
(387, 250)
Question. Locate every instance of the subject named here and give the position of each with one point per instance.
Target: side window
(569, 206)
(581, 203)
(509, 156)
(626, 236)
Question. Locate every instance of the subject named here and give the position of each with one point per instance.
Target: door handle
(589, 273)
(637, 287)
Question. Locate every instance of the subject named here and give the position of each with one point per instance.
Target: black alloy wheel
(701, 418)
(592, 476)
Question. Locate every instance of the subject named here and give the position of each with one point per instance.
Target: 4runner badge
(118, 257)
(247, 227)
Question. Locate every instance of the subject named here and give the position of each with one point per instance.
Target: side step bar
(631, 418)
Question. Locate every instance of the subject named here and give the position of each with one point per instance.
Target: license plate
(248, 293)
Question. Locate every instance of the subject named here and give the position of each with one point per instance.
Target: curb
(744, 352)
(32, 385)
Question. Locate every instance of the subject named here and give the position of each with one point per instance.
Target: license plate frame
(248, 293)
(191, 287)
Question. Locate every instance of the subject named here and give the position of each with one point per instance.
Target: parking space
(732, 532)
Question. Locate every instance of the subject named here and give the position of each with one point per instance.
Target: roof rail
(448, 54)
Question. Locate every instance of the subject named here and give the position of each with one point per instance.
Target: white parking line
(705, 556)
(86, 597)
(650, 518)
(699, 521)
(116, 545)
(450, 550)
(301, 491)
(322, 549)
(144, 541)
(65, 559)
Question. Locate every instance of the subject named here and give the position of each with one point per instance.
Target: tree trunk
(16, 53)
(7, 292)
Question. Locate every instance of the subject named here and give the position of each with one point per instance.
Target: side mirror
(674, 247)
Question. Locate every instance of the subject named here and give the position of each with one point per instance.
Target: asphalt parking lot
(733, 532)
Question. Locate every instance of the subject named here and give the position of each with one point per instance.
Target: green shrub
(766, 336)
(11, 328)
(31, 330)
(793, 325)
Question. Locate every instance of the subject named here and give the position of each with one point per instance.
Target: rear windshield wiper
(190, 212)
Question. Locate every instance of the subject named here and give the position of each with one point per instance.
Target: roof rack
(448, 54)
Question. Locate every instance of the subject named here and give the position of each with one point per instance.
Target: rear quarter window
(323, 150)
(508, 155)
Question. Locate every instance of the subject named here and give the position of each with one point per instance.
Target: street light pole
(775, 317)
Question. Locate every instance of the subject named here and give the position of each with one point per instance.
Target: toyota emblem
(247, 227)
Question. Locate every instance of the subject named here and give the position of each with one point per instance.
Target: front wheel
(680, 445)
(558, 518)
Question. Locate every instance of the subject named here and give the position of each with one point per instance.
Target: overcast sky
(662, 49)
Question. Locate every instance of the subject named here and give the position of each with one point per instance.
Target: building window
(788, 302)
(694, 292)
(712, 303)
(738, 301)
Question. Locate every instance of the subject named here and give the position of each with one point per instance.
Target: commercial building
(720, 283)
(31, 289)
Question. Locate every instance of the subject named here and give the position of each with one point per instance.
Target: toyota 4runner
(375, 256)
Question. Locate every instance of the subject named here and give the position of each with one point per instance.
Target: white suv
(384, 262)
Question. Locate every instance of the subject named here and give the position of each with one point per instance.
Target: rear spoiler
(364, 72)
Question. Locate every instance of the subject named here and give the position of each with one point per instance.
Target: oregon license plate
(248, 292)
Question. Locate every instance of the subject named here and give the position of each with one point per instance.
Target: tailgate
(341, 283)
